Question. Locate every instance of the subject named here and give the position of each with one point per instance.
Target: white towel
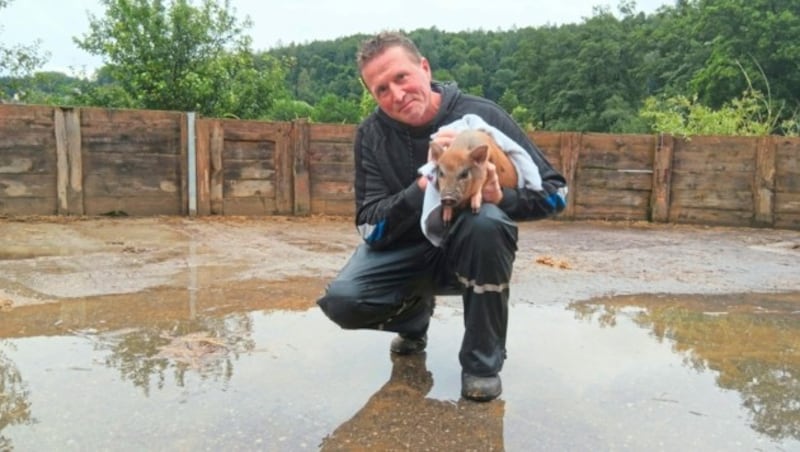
(527, 172)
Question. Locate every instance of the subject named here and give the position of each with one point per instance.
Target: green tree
(15, 62)
(178, 56)
(333, 109)
(289, 110)
(761, 35)
(747, 115)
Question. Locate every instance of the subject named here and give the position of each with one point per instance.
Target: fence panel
(92, 161)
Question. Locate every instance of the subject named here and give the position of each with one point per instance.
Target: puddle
(175, 371)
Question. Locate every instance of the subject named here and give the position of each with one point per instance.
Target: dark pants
(394, 290)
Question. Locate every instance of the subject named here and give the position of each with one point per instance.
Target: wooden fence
(91, 161)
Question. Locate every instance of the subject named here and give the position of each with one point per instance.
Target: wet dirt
(184, 334)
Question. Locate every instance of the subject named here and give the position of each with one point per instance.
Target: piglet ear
(479, 154)
(436, 150)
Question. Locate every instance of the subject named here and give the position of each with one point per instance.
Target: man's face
(401, 86)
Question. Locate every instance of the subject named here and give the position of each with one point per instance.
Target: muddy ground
(55, 259)
(189, 334)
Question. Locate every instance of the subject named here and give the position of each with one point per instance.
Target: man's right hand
(422, 182)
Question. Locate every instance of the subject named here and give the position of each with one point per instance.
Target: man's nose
(397, 92)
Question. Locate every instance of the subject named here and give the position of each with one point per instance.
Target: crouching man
(391, 280)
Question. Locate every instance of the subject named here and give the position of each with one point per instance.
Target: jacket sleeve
(382, 217)
(525, 204)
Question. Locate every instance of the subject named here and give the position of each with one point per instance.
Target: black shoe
(405, 345)
(480, 389)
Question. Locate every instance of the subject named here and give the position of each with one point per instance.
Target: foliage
(16, 62)
(594, 76)
(751, 114)
(288, 110)
(332, 109)
(182, 57)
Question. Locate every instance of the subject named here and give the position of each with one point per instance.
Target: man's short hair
(374, 46)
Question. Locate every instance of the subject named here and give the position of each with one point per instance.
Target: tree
(16, 62)
(748, 115)
(333, 109)
(182, 57)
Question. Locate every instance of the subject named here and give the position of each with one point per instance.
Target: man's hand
(492, 192)
(444, 137)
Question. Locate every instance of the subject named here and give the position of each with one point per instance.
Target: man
(390, 281)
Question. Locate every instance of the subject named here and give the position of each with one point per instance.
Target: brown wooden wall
(93, 161)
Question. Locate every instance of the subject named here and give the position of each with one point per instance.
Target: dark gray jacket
(388, 155)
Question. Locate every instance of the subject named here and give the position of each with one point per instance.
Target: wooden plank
(615, 179)
(549, 143)
(725, 200)
(183, 164)
(250, 206)
(131, 175)
(243, 188)
(711, 216)
(27, 186)
(249, 151)
(125, 118)
(133, 206)
(217, 176)
(610, 212)
(546, 141)
(26, 160)
(24, 205)
(16, 141)
(662, 179)
(332, 190)
(284, 172)
(254, 130)
(326, 151)
(733, 181)
(333, 207)
(333, 172)
(570, 151)
(252, 170)
(715, 155)
(203, 161)
(30, 115)
(605, 197)
(62, 161)
(301, 178)
(72, 121)
(787, 221)
(621, 152)
(787, 203)
(148, 139)
(764, 182)
(787, 150)
(332, 132)
(788, 181)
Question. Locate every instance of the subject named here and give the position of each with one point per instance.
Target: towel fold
(527, 172)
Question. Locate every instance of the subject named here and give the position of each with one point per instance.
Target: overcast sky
(56, 22)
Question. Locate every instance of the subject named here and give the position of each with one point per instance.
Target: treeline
(714, 66)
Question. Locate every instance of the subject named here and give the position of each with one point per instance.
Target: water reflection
(236, 372)
(400, 416)
(206, 346)
(752, 343)
(15, 408)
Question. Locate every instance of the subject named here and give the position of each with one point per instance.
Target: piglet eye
(463, 174)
